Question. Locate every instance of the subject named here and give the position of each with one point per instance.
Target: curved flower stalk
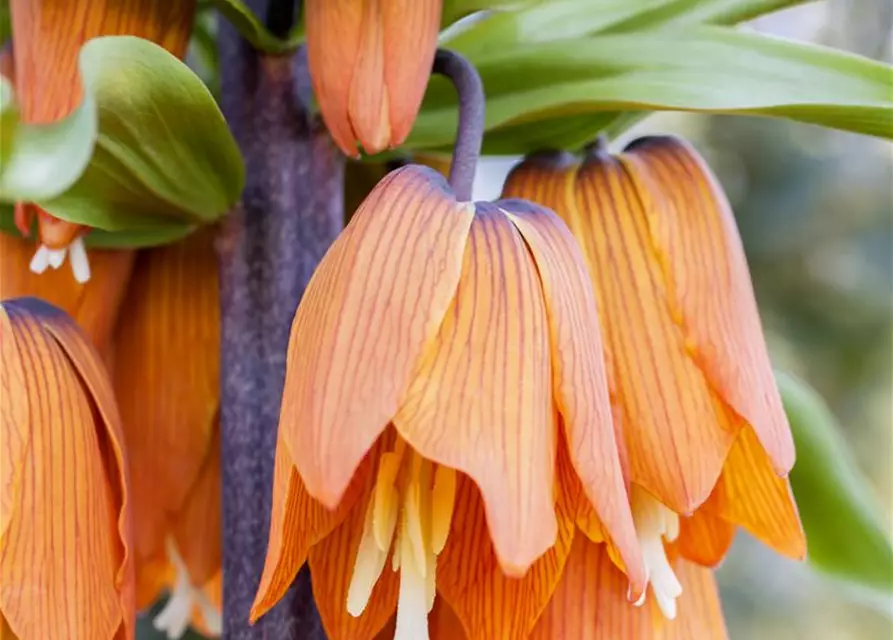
(444, 359)
(704, 436)
(167, 386)
(65, 563)
(48, 36)
(369, 62)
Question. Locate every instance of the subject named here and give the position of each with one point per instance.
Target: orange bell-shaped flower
(48, 37)
(444, 359)
(65, 565)
(369, 62)
(702, 424)
(167, 368)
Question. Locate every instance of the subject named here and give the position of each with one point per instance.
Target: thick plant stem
(291, 211)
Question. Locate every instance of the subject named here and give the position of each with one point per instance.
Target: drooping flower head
(48, 37)
(701, 424)
(167, 354)
(369, 63)
(65, 564)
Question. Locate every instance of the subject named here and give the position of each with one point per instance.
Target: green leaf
(163, 161)
(845, 533)
(254, 31)
(701, 68)
(41, 161)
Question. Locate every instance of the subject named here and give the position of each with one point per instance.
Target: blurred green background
(815, 209)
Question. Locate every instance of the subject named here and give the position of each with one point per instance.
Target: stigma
(408, 517)
(45, 258)
(656, 524)
(173, 620)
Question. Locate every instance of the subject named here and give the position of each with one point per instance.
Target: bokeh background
(815, 210)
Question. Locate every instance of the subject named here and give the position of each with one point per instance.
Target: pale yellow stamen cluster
(409, 515)
(655, 524)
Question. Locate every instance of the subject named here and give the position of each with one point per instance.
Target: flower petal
(488, 603)
(370, 309)
(331, 567)
(15, 417)
(591, 603)
(703, 538)
(167, 380)
(579, 378)
(751, 495)
(93, 305)
(197, 527)
(297, 522)
(64, 537)
(694, 232)
(481, 400)
(677, 431)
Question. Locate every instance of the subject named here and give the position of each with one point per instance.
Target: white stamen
(174, 619)
(655, 523)
(412, 603)
(57, 257)
(80, 264)
(367, 567)
(210, 614)
(41, 260)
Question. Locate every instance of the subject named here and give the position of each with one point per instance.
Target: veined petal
(197, 526)
(297, 522)
(65, 537)
(489, 604)
(677, 431)
(410, 30)
(49, 36)
(751, 495)
(167, 380)
(703, 538)
(481, 400)
(695, 236)
(372, 306)
(332, 563)
(94, 305)
(590, 603)
(579, 378)
(15, 418)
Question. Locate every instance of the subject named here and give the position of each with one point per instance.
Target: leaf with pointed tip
(845, 531)
(702, 68)
(253, 30)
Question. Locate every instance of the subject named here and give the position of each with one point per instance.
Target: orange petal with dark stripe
(332, 563)
(481, 399)
(677, 431)
(694, 232)
(703, 538)
(94, 305)
(490, 605)
(297, 522)
(67, 518)
(750, 495)
(372, 306)
(579, 378)
(591, 603)
(370, 80)
(167, 380)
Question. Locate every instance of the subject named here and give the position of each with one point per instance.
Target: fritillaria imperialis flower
(167, 384)
(369, 63)
(445, 422)
(703, 432)
(48, 37)
(65, 565)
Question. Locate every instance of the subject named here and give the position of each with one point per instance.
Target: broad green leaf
(254, 31)
(845, 532)
(550, 20)
(702, 68)
(99, 239)
(163, 156)
(39, 161)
